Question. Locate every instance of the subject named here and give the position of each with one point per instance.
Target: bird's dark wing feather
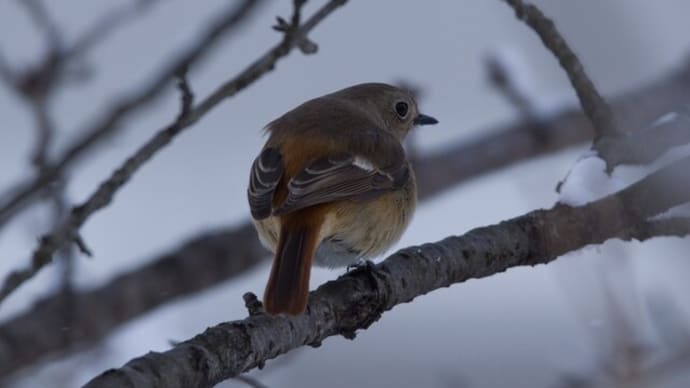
(265, 175)
(341, 177)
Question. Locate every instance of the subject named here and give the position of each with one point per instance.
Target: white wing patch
(363, 163)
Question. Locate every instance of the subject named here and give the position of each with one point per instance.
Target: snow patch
(588, 181)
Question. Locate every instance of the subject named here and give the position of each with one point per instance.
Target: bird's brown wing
(265, 175)
(341, 177)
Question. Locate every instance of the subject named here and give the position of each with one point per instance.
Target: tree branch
(95, 313)
(594, 106)
(508, 144)
(23, 194)
(645, 146)
(43, 20)
(500, 77)
(68, 230)
(357, 299)
(499, 147)
(40, 80)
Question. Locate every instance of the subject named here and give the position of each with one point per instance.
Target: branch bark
(438, 171)
(357, 299)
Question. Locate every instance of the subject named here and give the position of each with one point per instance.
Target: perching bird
(332, 185)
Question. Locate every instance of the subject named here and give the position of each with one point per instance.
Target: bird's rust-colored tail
(288, 286)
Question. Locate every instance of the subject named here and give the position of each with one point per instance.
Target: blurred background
(570, 323)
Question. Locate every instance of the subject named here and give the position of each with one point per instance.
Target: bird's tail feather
(288, 286)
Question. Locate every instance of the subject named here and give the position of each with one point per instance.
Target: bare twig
(41, 80)
(38, 84)
(212, 257)
(357, 299)
(6, 73)
(436, 171)
(24, 193)
(505, 145)
(43, 21)
(186, 97)
(503, 81)
(105, 25)
(107, 189)
(45, 132)
(654, 374)
(595, 107)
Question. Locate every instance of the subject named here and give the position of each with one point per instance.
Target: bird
(332, 186)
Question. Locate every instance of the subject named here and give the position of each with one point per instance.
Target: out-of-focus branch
(654, 374)
(610, 139)
(436, 171)
(357, 300)
(514, 142)
(594, 106)
(211, 257)
(38, 84)
(106, 25)
(68, 230)
(645, 146)
(40, 80)
(6, 73)
(500, 77)
(43, 21)
(45, 135)
(24, 193)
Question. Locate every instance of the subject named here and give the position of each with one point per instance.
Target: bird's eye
(401, 109)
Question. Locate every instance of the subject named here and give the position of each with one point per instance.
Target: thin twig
(593, 104)
(105, 25)
(45, 132)
(6, 73)
(41, 79)
(66, 232)
(212, 256)
(44, 22)
(501, 78)
(21, 195)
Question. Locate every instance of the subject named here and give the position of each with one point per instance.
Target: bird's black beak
(424, 120)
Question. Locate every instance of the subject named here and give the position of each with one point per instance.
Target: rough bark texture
(438, 171)
(356, 300)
